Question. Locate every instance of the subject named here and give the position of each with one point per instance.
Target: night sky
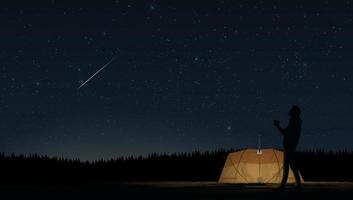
(187, 75)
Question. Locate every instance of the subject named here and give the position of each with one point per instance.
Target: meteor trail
(104, 66)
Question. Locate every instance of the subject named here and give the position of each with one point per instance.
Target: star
(152, 7)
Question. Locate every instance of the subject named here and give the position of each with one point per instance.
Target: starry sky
(187, 75)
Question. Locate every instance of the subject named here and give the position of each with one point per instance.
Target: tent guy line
(104, 66)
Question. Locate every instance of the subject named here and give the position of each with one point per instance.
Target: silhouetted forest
(195, 166)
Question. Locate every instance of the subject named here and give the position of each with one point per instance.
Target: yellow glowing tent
(254, 166)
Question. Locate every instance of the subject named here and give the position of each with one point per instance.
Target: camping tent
(254, 166)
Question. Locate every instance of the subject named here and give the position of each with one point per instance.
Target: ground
(175, 190)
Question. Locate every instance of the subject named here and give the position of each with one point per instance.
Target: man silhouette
(291, 136)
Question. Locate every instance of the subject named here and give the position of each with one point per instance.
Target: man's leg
(285, 169)
(295, 170)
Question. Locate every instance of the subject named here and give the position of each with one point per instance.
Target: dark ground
(175, 190)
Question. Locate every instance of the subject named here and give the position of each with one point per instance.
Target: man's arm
(279, 128)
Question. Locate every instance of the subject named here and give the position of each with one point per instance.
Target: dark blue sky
(188, 75)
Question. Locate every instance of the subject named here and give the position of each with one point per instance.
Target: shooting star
(104, 66)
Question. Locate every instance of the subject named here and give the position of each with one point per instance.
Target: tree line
(314, 165)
